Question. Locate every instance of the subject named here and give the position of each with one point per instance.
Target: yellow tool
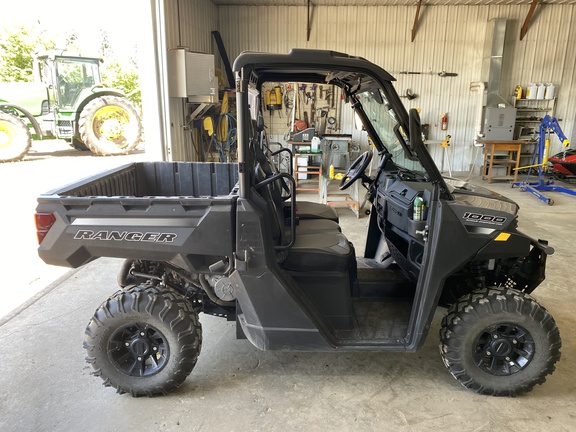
(446, 142)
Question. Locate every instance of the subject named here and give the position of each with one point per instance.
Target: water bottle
(418, 208)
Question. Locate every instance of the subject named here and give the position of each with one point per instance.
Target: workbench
(511, 161)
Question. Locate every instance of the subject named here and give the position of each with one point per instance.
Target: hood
(477, 196)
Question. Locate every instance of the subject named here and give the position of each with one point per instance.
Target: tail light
(44, 222)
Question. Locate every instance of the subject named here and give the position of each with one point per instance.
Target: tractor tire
(144, 340)
(15, 138)
(499, 342)
(110, 125)
(78, 145)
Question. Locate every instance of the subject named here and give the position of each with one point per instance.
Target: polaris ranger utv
(232, 240)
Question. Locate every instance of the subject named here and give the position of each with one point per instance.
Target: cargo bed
(178, 212)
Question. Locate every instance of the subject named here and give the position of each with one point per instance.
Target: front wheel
(499, 342)
(144, 340)
(15, 138)
(110, 125)
(78, 145)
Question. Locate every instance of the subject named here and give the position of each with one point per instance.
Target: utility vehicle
(67, 101)
(228, 240)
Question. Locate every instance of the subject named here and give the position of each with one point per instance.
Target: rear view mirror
(415, 129)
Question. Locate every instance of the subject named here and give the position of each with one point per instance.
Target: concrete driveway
(50, 164)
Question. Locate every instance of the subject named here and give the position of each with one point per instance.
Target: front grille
(65, 128)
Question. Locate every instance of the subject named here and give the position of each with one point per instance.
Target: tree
(105, 47)
(17, 49)
(124, 77)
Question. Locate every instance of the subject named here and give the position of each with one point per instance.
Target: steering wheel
(356, 170)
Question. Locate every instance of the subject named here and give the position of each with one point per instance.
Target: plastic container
(531, 91)
(518, 92)
(549, 93)
(540, 92)
(315, 144)
(418, 209)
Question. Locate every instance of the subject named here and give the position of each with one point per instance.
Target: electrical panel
(191, 75)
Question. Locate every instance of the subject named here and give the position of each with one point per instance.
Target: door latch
(423, 233)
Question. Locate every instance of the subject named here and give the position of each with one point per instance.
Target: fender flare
(28, 115)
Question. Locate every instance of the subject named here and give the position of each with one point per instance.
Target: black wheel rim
(138, 350)
(504, 349)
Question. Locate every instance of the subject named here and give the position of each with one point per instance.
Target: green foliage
(124, 78)
(17, 48)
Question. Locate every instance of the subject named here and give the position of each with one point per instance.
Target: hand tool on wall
(302, 88)
(442, 74)
(408, 94)
(313, 103)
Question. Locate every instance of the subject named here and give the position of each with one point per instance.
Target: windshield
(383, 120)
(75, 75)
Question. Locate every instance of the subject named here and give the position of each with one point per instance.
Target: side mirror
(415, 129)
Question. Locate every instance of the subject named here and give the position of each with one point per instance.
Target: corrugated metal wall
(188, 24)
(449, 38)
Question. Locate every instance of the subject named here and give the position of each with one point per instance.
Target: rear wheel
(144, 340)
(15, 138)
(110, 125)
(499, 342)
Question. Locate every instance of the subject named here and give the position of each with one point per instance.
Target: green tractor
(66, 101)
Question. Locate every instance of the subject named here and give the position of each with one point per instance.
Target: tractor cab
(67, 75)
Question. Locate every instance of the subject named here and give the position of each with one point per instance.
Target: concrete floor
(45, 385)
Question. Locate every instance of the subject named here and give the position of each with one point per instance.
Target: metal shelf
(526, 126)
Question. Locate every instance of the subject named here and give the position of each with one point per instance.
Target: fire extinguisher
(444, 122)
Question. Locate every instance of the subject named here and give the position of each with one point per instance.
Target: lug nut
(142, 333)
(154, 349)
(127, 344)
(488, 353)
(139, 358)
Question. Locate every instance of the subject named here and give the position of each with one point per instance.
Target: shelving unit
(309, 170)
(529, 114)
